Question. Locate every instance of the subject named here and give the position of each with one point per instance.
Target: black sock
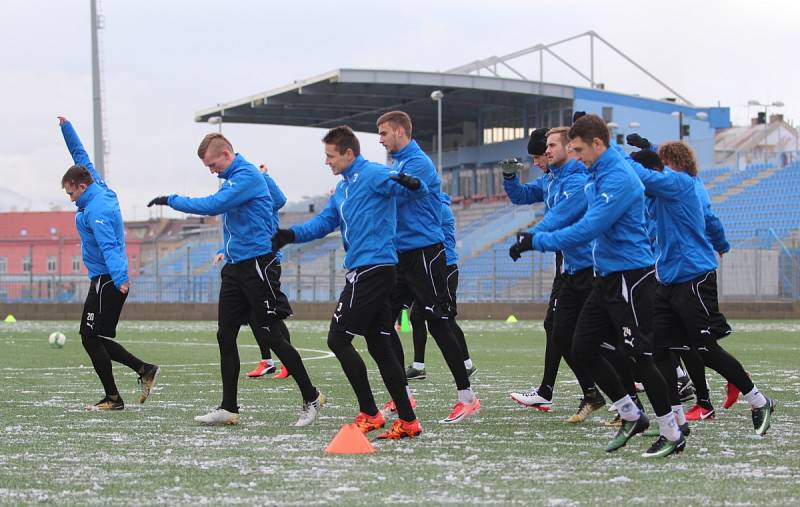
(419, 331)
(440, 330)
(354, 369)
(101, 361)
(391, 372)
(229, 367)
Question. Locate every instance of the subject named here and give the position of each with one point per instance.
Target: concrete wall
(322, 311)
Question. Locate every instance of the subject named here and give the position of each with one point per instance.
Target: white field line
(324, 355)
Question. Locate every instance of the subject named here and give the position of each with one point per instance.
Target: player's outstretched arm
(529, 193)
(571, 205)
(401, 185)
(76, 149)
(606, 209)
(318, 227)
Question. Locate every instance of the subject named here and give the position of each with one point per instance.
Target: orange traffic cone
(350, 440)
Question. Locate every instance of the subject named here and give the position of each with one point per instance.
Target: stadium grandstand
(752, 174)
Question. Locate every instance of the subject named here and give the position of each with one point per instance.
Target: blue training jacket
(449, 230)
(363, 206)
(684, 252)
(715, 232)
(419, 220)
(98, 219)
(245, 204)
(532, 192)
(567, 202)
(614, 219)
(278, 202)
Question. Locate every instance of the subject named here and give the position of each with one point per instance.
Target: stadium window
(608, 114)
(76, 264)
(3, 264)
(51, 264)
(26, 264)
(519, 133)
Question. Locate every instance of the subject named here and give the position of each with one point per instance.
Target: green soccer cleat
(663, 447)
(626, 431)
(762, 416)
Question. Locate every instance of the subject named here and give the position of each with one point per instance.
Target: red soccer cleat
(402, 429)
(732, 395)
(263, 368)
(698, 413)
(366, 423)
(463, 410)
(283, 373)
(390, 408)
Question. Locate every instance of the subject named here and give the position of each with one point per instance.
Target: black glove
(406, 180)
(524, 243)
(510, 166)
(577, 114)
(649, 159)
(640, 142)
(282, 238)
(161, 200)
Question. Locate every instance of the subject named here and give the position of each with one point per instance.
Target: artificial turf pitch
(52, 451)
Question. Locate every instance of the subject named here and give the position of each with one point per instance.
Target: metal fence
(745, 273)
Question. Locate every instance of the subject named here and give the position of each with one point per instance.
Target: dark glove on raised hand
(577, 114)
(524, 243)
(161, 200)
(649, 159)
(510, 166)
(406, 180)
(638, 141)
(282, 238)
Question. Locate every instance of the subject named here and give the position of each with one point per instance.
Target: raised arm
(76, 149)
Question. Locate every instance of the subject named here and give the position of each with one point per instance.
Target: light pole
(756, 103)
(438, 95)
(679, 116)
(216, 120)
(612, 126)
(683, 130)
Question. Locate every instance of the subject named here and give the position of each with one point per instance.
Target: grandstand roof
(357, 97)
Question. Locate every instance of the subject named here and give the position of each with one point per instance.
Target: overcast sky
(165, 60)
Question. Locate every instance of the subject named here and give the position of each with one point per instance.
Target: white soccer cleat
(533, 400)
(310, 411)
(218, 417)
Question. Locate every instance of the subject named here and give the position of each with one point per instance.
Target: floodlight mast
(490, 64)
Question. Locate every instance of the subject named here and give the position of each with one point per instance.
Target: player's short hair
(679, 156)
(590, 127)
(396, 119)
(343, 138)
(564, 131)
(214, 142)
(76, 175)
